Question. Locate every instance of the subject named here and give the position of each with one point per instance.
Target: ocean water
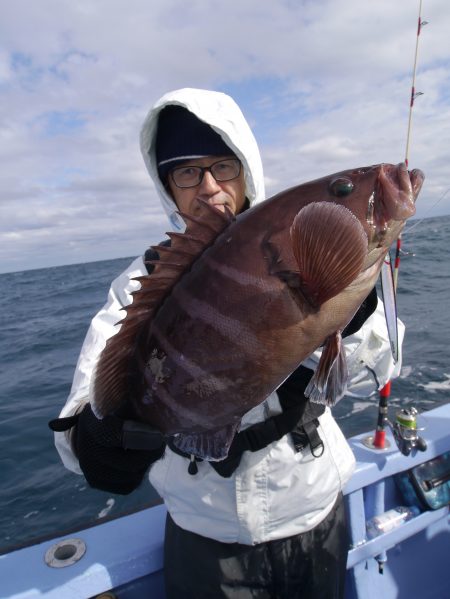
(44, 317)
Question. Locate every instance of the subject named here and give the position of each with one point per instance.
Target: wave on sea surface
(437, 385)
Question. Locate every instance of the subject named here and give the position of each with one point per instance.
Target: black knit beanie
(182, 136)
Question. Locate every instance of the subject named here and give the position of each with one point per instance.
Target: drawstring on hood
(225, 118)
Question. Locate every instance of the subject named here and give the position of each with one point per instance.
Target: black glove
(114, 454)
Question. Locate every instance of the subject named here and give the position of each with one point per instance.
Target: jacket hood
(223, 114)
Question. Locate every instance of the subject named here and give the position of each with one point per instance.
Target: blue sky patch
(61, 122)
(272, 104)
(27, 73)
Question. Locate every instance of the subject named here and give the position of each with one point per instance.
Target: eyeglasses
(191, 176)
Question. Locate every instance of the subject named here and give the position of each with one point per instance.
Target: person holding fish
(200, 384)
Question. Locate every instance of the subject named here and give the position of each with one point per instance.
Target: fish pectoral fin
(212, 445)
(330, 246)
(329, 381)
(279, 267)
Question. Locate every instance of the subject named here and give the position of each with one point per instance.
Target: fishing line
(426, 213)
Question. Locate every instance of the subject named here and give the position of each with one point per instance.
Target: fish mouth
(393, 199)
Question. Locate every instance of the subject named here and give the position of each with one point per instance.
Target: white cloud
(325, 85)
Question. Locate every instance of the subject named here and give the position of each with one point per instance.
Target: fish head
(340, 240)
(352, 216)
(382, 197)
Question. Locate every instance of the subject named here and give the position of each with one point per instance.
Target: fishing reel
(406, 432)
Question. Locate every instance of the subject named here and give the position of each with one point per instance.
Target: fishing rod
(378, 441)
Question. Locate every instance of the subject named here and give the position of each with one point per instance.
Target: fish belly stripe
(182, 362)
(181, 411)
(236, 275)
(231, 328)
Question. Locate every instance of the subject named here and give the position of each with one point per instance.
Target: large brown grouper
(235, 304)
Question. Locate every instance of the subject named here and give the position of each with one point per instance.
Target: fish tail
(211, 446)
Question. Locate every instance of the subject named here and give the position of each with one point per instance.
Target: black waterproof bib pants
(311, 565)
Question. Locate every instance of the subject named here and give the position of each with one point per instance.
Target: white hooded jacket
(275, 492)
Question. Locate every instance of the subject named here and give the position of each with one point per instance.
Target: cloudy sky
(325, 85)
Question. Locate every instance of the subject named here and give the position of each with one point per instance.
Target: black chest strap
(260, 435)
(299, 418)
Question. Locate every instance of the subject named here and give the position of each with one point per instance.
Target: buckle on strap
(299, 439)
(315, 442)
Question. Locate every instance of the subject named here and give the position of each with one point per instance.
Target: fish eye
(342, 186)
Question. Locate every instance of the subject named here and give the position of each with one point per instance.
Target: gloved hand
(113, 453)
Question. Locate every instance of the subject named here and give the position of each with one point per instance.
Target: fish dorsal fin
(201, 232)
(116, 372)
